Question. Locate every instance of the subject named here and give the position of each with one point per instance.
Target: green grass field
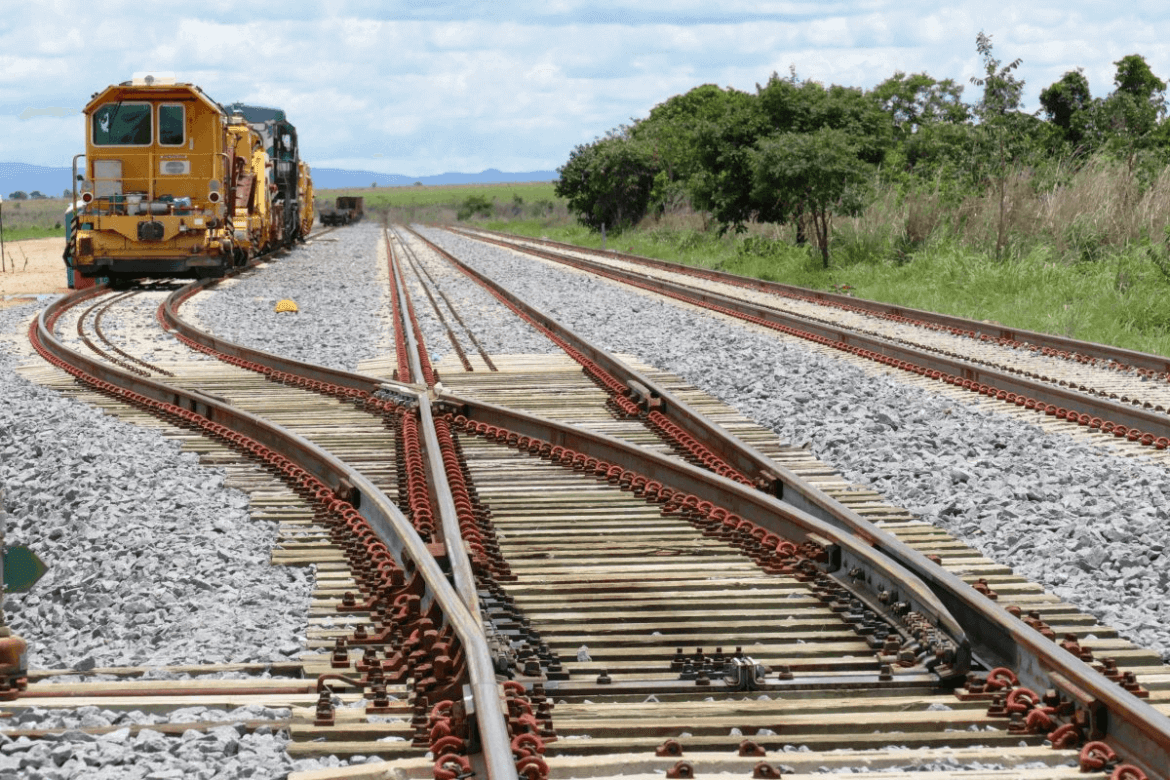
(404, 197)
(33, 218)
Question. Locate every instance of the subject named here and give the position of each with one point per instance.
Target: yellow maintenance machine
(176, 185)
(252, 199)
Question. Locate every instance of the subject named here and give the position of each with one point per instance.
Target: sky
(426, 88)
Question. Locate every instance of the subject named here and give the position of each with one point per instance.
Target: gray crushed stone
(342, 311)
(1087, 524)
(494, 325)
(152, 560)
(226, 751)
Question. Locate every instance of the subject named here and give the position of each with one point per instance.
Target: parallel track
(1116, 391)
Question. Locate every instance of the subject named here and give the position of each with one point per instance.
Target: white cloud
(448, 86)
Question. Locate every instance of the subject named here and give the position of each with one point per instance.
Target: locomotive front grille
(150, 231)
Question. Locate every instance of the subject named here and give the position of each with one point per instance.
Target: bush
(474, 205)
(760, 246)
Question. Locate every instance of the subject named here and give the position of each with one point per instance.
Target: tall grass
(1086, 255)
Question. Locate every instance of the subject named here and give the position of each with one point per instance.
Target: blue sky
(421, 89)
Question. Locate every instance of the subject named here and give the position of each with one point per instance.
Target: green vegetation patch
(40, 218)
(452, 195)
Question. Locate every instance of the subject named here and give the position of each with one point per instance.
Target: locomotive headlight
(87, 197)
(213, 191)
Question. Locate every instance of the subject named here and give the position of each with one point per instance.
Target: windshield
(170, 125)
(122, 124)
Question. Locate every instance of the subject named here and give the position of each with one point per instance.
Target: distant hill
(52, 182)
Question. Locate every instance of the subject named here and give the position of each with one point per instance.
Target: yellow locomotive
(175, 185)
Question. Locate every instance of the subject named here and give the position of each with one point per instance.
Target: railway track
(1114, 391)
(648, 614)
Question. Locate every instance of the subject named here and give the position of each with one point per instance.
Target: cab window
(122, 124)
(171, 126)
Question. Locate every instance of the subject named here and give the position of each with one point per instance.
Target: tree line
(798, 152)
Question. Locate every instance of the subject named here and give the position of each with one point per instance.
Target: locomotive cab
(154, 200)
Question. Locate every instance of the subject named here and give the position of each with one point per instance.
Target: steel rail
(487, 359)
(1138, 730)
(730, 447)
(765, 510)
(390, 525)
(776, 478)
(412, 346)
(426, 282)
(1130, 416)
(1103, 352)
(493, 729)
(448, 516)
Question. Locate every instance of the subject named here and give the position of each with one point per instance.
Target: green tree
(917, 101)
(1068, 104)
(474, 205)
(671, 132)
(721, 184)
(18, 195)
(817, 173)
(1134, 77)
(796, 106)
(996, 110)
(1128, 120)
(1001, 88)
(608, 182)
(725, 186)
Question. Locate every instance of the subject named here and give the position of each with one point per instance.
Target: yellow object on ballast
(285, 305)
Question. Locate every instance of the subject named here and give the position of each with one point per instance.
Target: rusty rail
(391, 527)
(1150, 427)
(994, 331)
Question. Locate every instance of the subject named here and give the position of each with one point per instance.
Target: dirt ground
(32, 266)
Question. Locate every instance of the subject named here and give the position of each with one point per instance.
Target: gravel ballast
(152, 560)
(125, 746)
(342, 313)
(1088, 525)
